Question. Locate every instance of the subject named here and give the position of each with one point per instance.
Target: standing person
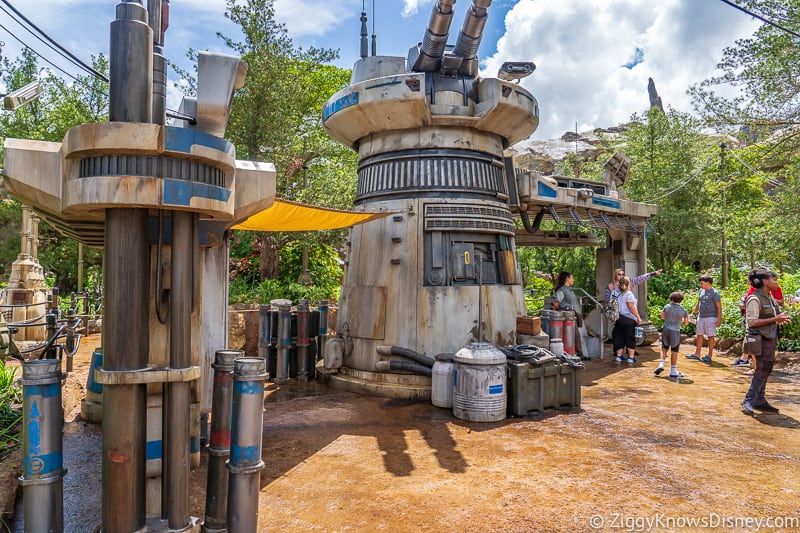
(567, 301)
(625, 327)
(565, 298)
(673, 315)
(763, 318)
(612, 290)
(708, 310)
(777, 294)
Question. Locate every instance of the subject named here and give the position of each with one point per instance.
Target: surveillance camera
(22, 96)
(515, 70)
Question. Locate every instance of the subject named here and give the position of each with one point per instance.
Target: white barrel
(442, 381)
(557, 346)
(479, 383)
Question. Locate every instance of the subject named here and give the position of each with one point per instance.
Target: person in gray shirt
(674, 315)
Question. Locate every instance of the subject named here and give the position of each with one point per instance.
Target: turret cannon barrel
(435, 40)
(433, 54)
(470, 37)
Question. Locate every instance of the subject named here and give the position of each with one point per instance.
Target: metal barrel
(435, 39)
(569, 332)
(469, 39)
(219, 446)
(264, 334)
(322, 336)
(92, 404)
(245, 462)
(303, 340)
(556, 328)
(42, 440)
(284, 343)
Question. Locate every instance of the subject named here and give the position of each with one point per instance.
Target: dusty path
(639, 448)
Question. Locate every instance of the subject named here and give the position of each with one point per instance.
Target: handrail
(602, 307)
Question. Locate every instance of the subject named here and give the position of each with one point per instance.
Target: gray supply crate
(542, 384)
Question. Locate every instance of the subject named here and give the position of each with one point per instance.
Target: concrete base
(384, 385)
(156, 525)
(91, 412)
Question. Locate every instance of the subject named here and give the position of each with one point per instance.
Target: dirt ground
(641, 453)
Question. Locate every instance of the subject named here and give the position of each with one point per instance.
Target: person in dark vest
(762, 316)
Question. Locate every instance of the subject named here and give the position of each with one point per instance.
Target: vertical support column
(125, 347)
(322, 337)
(219, 448)
(33, 247)
(178, 396)
(284, 342)
(126, 281)
(25, 231)
(264, 334)
(42, 442)
(303, 340)
(245, 464)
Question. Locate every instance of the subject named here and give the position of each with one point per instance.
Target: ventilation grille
(157, 167)
(430, 174)
(476, 218)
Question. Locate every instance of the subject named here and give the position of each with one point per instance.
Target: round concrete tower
(430, 135)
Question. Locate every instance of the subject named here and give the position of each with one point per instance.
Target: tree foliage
(276, 117)
(763, 73)
(62, 105)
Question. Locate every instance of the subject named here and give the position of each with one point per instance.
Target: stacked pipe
(42, 442)
(303, 340)
(284, 342)
(219, 447)
(245, 463)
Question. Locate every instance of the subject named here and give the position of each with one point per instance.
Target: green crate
(536, 387)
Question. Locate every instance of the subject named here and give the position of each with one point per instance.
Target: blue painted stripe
(153, 450)
(43, 391)
(496, 389)
(248, 387)
(339, 104)
(384, 84)
(546, 191)
(606, 202)
(194, 445)
(41, 465)
(180, 192)
(245, 455)
(182, 140)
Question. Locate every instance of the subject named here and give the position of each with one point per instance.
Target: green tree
(276, 117)
(62, 105)
(671, 163)
(764, 70)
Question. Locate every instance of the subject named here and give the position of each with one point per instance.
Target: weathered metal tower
(158, 198)
(430, 135)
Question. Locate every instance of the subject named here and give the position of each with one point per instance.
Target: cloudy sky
(593, 57)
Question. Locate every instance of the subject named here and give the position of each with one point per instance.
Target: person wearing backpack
(776, 293)
(625, 327)
(763, 317)
(612, 290)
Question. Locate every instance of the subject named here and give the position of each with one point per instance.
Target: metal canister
(545, 313)
(569, 332)
(556, 329)
(479, 383)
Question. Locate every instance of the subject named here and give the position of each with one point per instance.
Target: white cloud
(580, 49)
(411, 7)
(313, 17)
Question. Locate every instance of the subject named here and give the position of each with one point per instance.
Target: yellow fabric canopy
(292, 216)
